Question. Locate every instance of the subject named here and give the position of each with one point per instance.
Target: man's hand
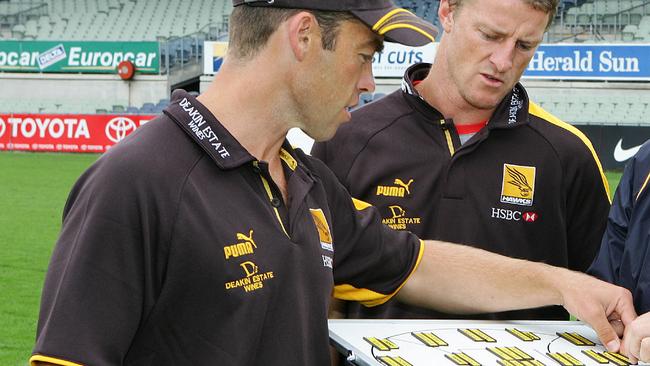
(495, 283)
(600, 304)
(636, 342)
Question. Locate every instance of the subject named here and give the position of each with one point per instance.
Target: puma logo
(406, 186)
(400, 189)
(248, 238)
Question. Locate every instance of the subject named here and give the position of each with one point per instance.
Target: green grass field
(33, 190)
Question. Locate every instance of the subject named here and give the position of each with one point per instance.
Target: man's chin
(486, 103)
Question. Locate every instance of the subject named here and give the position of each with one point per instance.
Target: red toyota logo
(118, 128)
(530, 216)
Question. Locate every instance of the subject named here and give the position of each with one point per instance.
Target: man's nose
(367, 81)
(502, 57)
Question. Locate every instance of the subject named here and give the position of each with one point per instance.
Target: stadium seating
(425, 9)
(91, 106)
(589, 107)
(603, 20)
(125, 20)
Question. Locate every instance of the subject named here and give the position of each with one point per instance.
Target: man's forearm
(461, 279)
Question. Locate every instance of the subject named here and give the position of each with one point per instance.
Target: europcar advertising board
(77, 57)
(590, 62)
(92, 133)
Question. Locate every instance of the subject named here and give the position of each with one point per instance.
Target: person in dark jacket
(624, 257)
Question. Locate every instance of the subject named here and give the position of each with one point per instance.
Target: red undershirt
(465, 131)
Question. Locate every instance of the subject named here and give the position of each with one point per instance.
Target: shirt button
(275, 202)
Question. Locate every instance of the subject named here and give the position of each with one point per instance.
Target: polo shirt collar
(206, 131)
(511, 112)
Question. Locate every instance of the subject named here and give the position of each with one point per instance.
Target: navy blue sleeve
(624, 255)
(608, 261)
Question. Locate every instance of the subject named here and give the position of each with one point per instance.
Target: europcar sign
(77, 57)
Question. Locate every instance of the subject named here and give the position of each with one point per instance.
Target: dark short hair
(251, 27)
(547, 6)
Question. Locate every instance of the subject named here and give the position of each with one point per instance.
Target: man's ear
(304, 34)
(446, 15)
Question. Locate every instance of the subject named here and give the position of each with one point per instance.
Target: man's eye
(488, 36)
(365, 58)
(524, 46)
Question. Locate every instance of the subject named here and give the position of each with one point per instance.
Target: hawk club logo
(399, 189)
(324, 233)
(245, 245)
(518, 186)
(118, 128)
(3, 127)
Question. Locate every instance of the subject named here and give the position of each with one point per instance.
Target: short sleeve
(99, 283)
(371, 261)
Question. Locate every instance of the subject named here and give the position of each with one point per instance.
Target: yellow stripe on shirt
(647, 179)
(538, 111)
(52, 360)
(372, 298)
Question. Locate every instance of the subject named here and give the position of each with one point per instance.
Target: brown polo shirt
(176, 249)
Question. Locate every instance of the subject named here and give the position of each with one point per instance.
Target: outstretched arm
(470, 280)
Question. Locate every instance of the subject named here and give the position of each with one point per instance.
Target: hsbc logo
(513, 215)
(118, 128)
(3, 127)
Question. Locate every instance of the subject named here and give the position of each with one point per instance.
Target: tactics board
(470, 343)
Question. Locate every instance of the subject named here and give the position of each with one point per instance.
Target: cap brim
(398, 25)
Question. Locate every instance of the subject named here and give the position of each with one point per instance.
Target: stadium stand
(108, 20)
(78, 106)
(590, 107)
(180, 27)
(425, 9)
(602, 21)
